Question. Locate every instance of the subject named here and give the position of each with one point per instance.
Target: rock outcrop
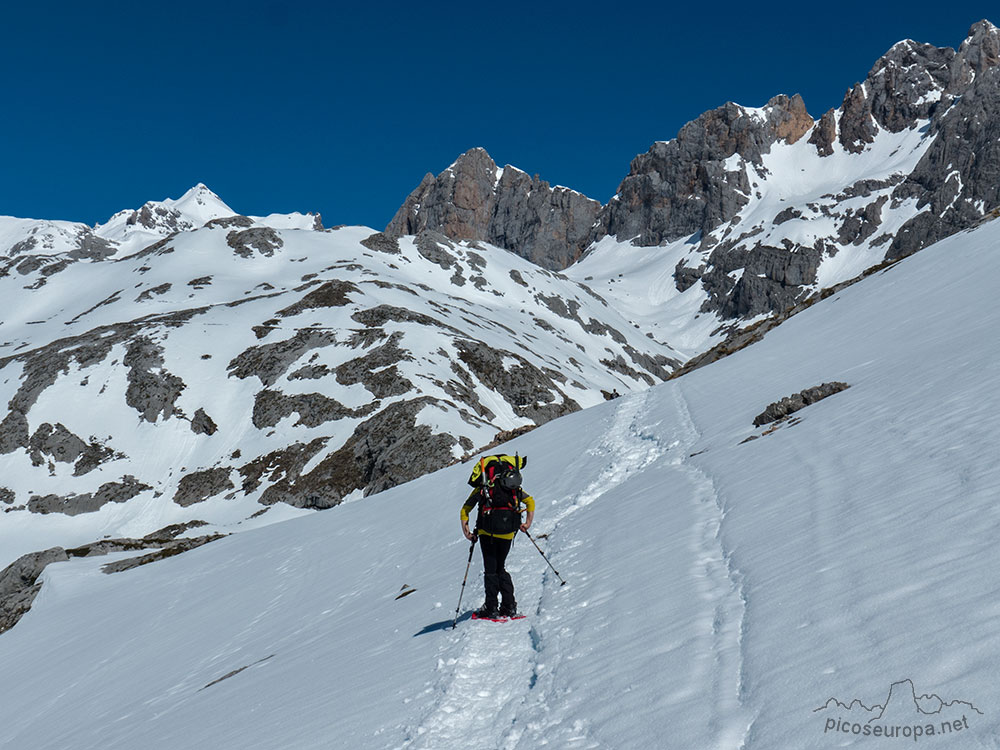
(791, 404)
(957, 181)
(19, 581)
(473, 199)
(19, 584)
(686, 186)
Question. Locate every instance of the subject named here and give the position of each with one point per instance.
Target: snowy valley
(720, 590)
(786, 544)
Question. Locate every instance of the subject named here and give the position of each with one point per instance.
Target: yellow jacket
(527, 503)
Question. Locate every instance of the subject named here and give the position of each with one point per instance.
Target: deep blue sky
(341, 108)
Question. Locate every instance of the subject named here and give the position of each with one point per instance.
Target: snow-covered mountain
(234, 362)
(339, 347)
(30, 245)
(751, 210)
(729, 586)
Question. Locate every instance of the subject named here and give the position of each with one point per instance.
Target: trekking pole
(468, 565)
(563, 583)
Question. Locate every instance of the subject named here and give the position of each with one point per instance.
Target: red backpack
(499, 481)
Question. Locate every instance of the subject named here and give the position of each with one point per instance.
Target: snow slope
(720, 593)
(798, 199)
(289, 343)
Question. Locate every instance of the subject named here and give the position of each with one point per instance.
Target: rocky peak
(474, 199)
(906, 84)
(904, 87)
(979, 52)
(457, 203)
(732, 129)
(955, 183)
(475, 162)
(192, 210)
(681, 187)
(909, 82)
(696, 186)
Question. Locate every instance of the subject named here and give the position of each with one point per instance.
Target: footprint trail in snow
(497, 684)
(488, 674)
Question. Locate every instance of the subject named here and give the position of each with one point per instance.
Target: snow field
(200, 350)
(719, 591)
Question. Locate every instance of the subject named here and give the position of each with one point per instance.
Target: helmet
(509, 478)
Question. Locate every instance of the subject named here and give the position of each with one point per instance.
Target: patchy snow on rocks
(219, 370)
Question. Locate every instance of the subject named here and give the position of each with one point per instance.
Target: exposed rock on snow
(268, 362)
(148, 294)
(201, 485)
(791, 404)
(163, 551)
(328, 294)
(386, 449)
(526, 387)
(381, 243)
(230, 222)
(18, 584)
(262, 240)
(152, 391)
(90, 502)
(56, 442)
(313, 409)
(202, 424)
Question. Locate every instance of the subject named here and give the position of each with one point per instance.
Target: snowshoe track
(481, 684)
(493, 686)
(496, 680)
(721, 588)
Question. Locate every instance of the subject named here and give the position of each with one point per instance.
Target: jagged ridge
(717, 186)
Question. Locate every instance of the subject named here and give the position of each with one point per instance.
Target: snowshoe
(497, 617)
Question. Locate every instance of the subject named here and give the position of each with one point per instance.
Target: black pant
(496, 579)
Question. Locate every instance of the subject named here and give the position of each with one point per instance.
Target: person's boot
(508, 609)
(487, 612)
